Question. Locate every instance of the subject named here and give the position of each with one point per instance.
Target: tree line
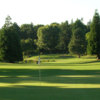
(28, 39)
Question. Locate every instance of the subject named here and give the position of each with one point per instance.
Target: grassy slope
(66, 78)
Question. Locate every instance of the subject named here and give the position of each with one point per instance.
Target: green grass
(62, 78)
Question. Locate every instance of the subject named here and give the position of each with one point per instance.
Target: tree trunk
(98, 56)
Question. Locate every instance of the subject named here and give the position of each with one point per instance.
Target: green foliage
(10, 48)
(64, 36)
(36, 27)
(28, 36)
(27, 31)
(88, 26)
(87, 35)
(94, 40)
(77, 44)
(28, 46)
(8, 22)
(48, 37)
(54, 38)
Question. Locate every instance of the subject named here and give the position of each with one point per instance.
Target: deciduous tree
(77, 44)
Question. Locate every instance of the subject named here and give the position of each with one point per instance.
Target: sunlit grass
(45, 84)
(67, 78)
(79, 76)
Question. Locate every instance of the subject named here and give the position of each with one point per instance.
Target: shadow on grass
(45, 72)
(59, 57)
(95, 61)
(80, 63)
(48, 93)
(23, 92)
(49, 75)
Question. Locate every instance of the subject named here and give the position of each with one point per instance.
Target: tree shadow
(45, 72)
(79, 63)
(23, 92)
(95, 61)
(48, 93)
(58, 57)
(50, 75)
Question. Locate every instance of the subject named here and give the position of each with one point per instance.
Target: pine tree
(94, 36)
(10, 48)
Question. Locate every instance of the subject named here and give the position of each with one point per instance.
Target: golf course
(57, 77)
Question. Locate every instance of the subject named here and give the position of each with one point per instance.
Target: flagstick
(39, 69)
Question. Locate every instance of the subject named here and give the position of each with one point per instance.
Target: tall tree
(94, 36)
(88, 26)
(10, 48)
(8, 22)
(27, 31)
(64, 37)
(77, 44)
(48, 37)
(36, 27)
(27, 39)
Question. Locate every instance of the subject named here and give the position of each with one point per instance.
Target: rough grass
(68, 78)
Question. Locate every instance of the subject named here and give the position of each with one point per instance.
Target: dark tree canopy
(27, 31)
(64, 36)
(28, 37)
(74, 38)
(48, 37)
(10, 48)
(77, 44)
(94, 36)
(36, 27)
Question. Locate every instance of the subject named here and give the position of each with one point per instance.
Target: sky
(47, 11)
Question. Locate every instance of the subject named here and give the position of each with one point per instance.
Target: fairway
(62, 78)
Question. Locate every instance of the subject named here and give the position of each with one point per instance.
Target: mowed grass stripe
(67, 78)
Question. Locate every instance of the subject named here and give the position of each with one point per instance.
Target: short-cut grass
(63, 77)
